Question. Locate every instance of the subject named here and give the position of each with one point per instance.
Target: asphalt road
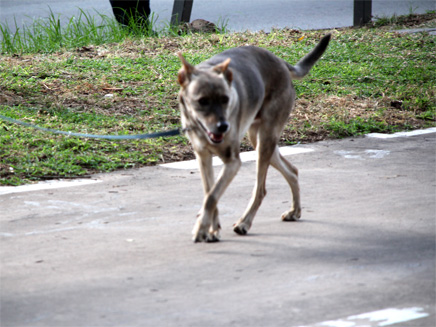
(238, 15)
(118, 252)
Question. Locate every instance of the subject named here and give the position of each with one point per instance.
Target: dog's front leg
(204, 159)
(206, 228)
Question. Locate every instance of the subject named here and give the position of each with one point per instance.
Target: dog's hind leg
(290, 172)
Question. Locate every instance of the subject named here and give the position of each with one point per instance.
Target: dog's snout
(223, 126)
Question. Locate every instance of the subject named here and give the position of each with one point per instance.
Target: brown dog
(246, 89)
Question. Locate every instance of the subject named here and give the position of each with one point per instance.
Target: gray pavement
(118, 252)
(239, 15)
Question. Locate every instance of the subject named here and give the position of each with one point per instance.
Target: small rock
(398, 104)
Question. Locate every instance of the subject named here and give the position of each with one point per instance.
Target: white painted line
(245, 157)
(46, 185)
(379, 318)
(377, 154)
(403, 134)
(372, 154)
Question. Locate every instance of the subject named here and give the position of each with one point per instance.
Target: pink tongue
(215, 137)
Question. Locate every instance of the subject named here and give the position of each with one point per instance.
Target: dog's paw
(206, 237)
(214, 234)
(241, 228)
(202, 235)
(211, 238)
(206, 232)
(291, 215)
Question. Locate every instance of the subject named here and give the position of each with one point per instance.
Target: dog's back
(258, 75)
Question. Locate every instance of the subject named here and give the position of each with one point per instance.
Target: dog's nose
(222, 126)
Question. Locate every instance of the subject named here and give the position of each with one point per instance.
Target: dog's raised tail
(304, 65)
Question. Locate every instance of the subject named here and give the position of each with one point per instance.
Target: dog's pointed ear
(223, 68)
(185, 72)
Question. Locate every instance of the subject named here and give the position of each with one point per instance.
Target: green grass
(49, 35)
(55, 32)
(369, 80)
(358, 126)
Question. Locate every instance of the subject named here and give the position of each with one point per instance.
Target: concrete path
(239, 15)
(117, 251)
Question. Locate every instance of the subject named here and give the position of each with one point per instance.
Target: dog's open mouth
(215, 138)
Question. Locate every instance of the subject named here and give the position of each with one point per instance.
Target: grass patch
(54, 33)
(50, 34)
(403, 21)
(369, 80)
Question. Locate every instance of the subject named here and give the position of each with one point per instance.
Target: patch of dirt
(310, 120)
(182, 153)
(412, 20)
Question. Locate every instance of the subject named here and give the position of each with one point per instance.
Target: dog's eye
(224, 99)
(203, 101)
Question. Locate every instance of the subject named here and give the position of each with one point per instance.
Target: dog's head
(206, 95)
